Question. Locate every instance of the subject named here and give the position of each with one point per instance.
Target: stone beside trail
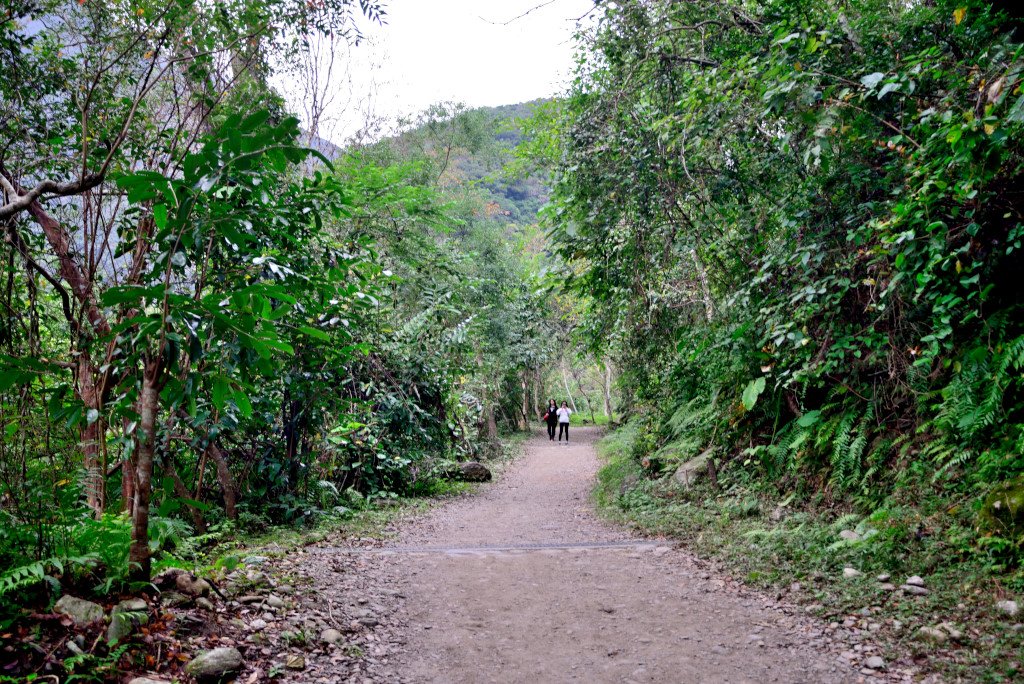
(521, 582)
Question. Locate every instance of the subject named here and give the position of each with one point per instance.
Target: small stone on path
(915, 581)
(850, 573)
(215, 663)
(331, 636)
(875, 663)
(1008, 607)
(932, 635)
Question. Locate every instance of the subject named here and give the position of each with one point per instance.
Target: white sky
(448, 50)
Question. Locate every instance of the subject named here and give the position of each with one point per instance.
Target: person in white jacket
(563, 421)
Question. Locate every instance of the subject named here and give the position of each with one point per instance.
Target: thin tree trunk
(607, 391)
(583, 393)
(488, 424)
(91, 434)
(226, 481)
(81, 288)
(149, 407)
(702, 276)
(568, 393)
(524, 420)
(182, 492)
(536, 393)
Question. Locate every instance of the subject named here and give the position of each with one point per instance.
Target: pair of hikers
(560, 417)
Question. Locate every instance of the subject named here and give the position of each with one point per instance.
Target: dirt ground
(523, 583)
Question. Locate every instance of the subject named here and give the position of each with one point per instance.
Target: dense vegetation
(791, 229)
(209, 328)
(798, 228)
(798, 224)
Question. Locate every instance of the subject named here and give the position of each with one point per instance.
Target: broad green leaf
(219, 392)
(752, 392)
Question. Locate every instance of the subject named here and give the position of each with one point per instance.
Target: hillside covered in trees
(779, 242)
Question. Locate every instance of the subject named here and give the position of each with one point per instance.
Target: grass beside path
(773, 543)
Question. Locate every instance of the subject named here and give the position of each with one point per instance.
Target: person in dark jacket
(551, 418)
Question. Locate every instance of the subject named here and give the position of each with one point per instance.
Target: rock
(125, 618)
(885, 586)
(690, 472)
(258, 624)
(914, 590)
(205, 604)
(931, 635)
(81, 611)
(295, 662)
(849, 535)
(331, 636)
(256, 577)
(473, 471)
(135, 605)
(276, 602)
(954, 633)
(187, 584)
(884, 578)
(875, 663)
(915, 581)
(174, 599)
(148, 680)
(255, 560)
(1008, 607)
(851, 572)
(215, 664)
(369, 621)
(252, 598)
(1003, 509)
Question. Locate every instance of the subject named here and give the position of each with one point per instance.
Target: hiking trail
(522, 582)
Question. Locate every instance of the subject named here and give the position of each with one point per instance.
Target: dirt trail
(630, 612)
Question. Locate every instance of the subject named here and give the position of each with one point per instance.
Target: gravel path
(635, 612)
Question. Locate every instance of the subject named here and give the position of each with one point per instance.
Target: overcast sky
(449, 50)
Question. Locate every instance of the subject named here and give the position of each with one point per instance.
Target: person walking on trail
(563, 421)
(551, 418)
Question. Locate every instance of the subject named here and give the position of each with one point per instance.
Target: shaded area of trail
(629, 612)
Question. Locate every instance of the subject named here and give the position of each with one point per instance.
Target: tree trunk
(607, 391)
(91, 434)
(80, 284)
(568, 393)
(182, 492)
(524, 419)
(226, 481)
(145, 450)
(536, 393)
(702, 276)
(583, 393)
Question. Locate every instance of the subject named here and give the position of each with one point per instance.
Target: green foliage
(808, 219)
